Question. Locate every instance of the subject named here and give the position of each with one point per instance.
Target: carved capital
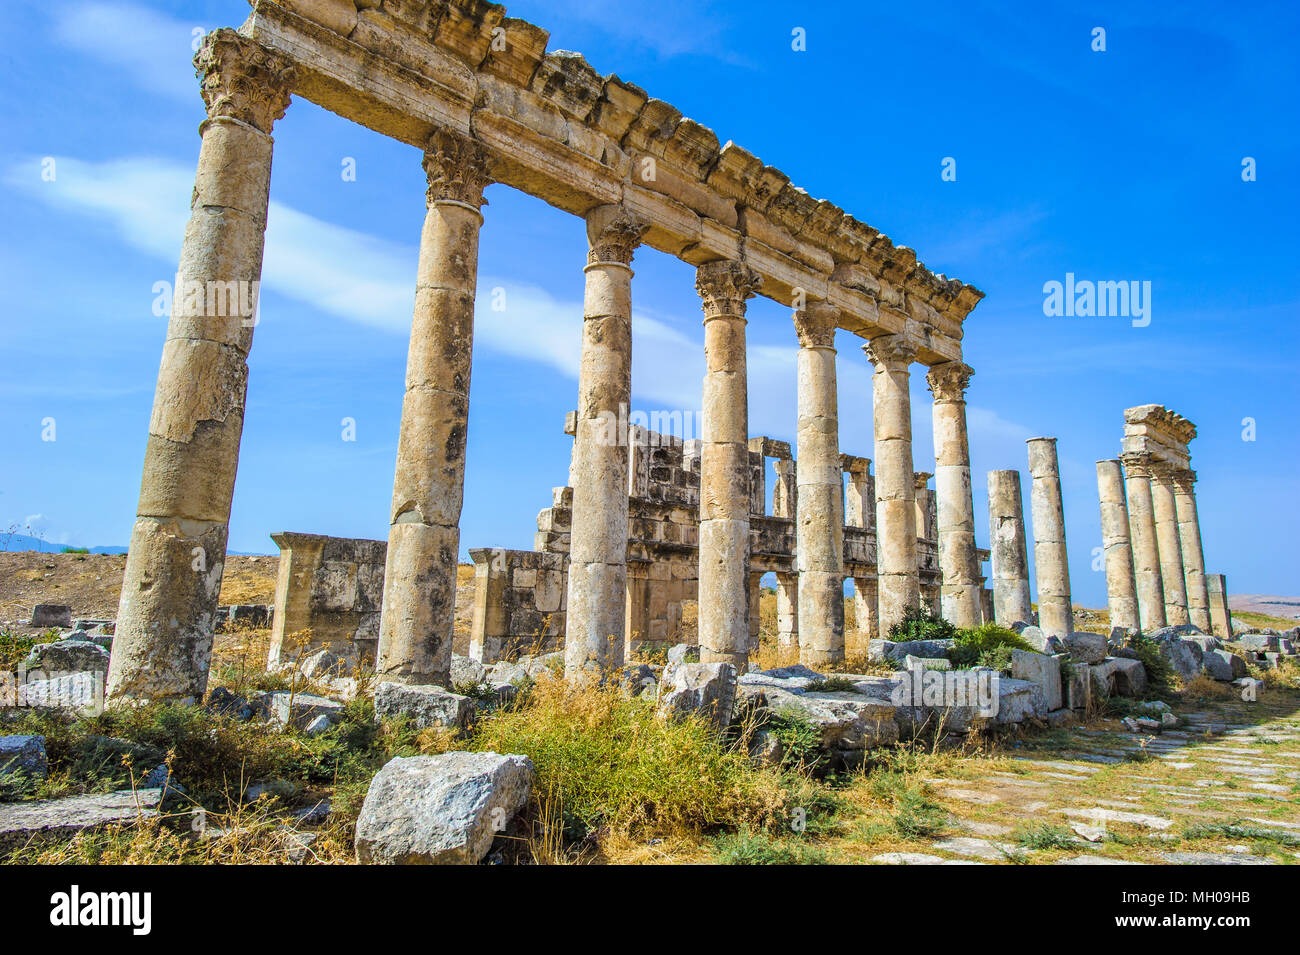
(725, 286)
(240, 79)
(890, 352)
(815, 325)
(1137, 464)
(618, 240)
(948, 381)
(456, 169)
(1185, 480)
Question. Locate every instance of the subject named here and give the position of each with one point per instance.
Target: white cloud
(361, 278)
(153, 49)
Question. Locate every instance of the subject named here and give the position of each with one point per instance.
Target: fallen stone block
(425, 706)
(1183, 656)
(1086, 647)
(467, 670)
(438, 810)
(51, 615)
(283, 709)
(1128, 676)
(23, 754)
(887, 651)
(61, 819)
(1042, 670)
(1019, 700)
(708, 689)
(684, 653)
(1224, 665)
(67, 656)
(75, 693)
(1258, 641)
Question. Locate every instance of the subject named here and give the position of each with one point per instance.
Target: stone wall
(332, 586)
(520, 600)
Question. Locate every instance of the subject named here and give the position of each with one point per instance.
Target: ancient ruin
(480, 95)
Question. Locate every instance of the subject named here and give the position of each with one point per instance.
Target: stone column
(755, 603)
(787, 610)
(1121, 586)
(960, 592)
(415, 630)
(1142, 535)
(896, 551)
(1220, 615)
(819, 527)
(598, 539)
(1189, 536)
(866, 609)
(1009, 552)
(724, 287)
(1051, 567)
(174, 566)
(860, 496)
(783, 494)
(1169, 544)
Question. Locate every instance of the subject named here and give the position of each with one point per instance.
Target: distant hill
(19, 542)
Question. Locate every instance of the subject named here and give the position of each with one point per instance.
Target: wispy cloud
(360, 278)
(153, 49)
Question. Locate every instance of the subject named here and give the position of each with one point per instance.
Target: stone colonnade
(1168, 582)
(174, 569)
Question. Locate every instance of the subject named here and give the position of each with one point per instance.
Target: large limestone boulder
(1020, 700)
(705, 688)
(1086, 648)
(847, 722)
(424, 706)
(887, 651)
(1183, 656)
(1128, 676)
(23, 754)
(61, 819)
(1224, 665)
(1040, 641)
(1040, 669)
(440, 810)
(1258, 641)
(283, 709)
(67, 656)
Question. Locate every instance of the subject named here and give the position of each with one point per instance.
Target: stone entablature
(332, 586)
(1160, 434)
(553, 127)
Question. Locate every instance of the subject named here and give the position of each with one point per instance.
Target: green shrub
(921, 623)
(1160, 680)
(832, 684)
(758, 848)
(986, 645)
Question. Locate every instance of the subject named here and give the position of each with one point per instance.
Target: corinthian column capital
(1185, 480)
(892, 352)
(815, 325)
(725, 286)
(456, 169)
(240, 79)
(617, 239)
(948, 381)
(1137, 464)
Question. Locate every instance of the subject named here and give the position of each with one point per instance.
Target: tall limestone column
(1009, 552)
(1121, 586)
(960, 591)
(1189, 536)
(724, 287)
(819, 527)
(1169, 544)
(1142, 535)
(415, 629)
(896, 552)
(1051, 567)
(172, 579)
(598, 539)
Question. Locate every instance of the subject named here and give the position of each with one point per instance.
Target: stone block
(1086, 648)
(1042, 670)
(51, 615)
(424, 705)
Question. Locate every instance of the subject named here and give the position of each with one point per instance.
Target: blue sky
(1123, 164)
